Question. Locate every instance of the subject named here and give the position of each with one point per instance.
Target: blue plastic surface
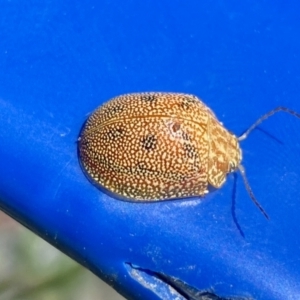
(59, 60)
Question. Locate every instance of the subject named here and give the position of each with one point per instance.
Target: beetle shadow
(269, 135)
(233, 204)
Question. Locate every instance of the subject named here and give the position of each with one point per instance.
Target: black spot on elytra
(115, 133)
(149, 142)
(188, 101)
(144, 169)
(189, 150)
(148, 97)
(141, 165)
(185, 136)
(185, 105)
(115, 109)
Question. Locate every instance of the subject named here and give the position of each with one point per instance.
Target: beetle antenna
(266, 116)
(249, 190)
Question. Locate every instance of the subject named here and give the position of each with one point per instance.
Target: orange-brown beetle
(160, 146)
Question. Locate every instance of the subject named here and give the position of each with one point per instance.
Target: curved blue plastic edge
(60, 60)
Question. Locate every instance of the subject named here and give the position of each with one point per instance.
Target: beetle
(161, 146)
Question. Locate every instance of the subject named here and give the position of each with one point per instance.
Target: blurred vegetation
(31, 269)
